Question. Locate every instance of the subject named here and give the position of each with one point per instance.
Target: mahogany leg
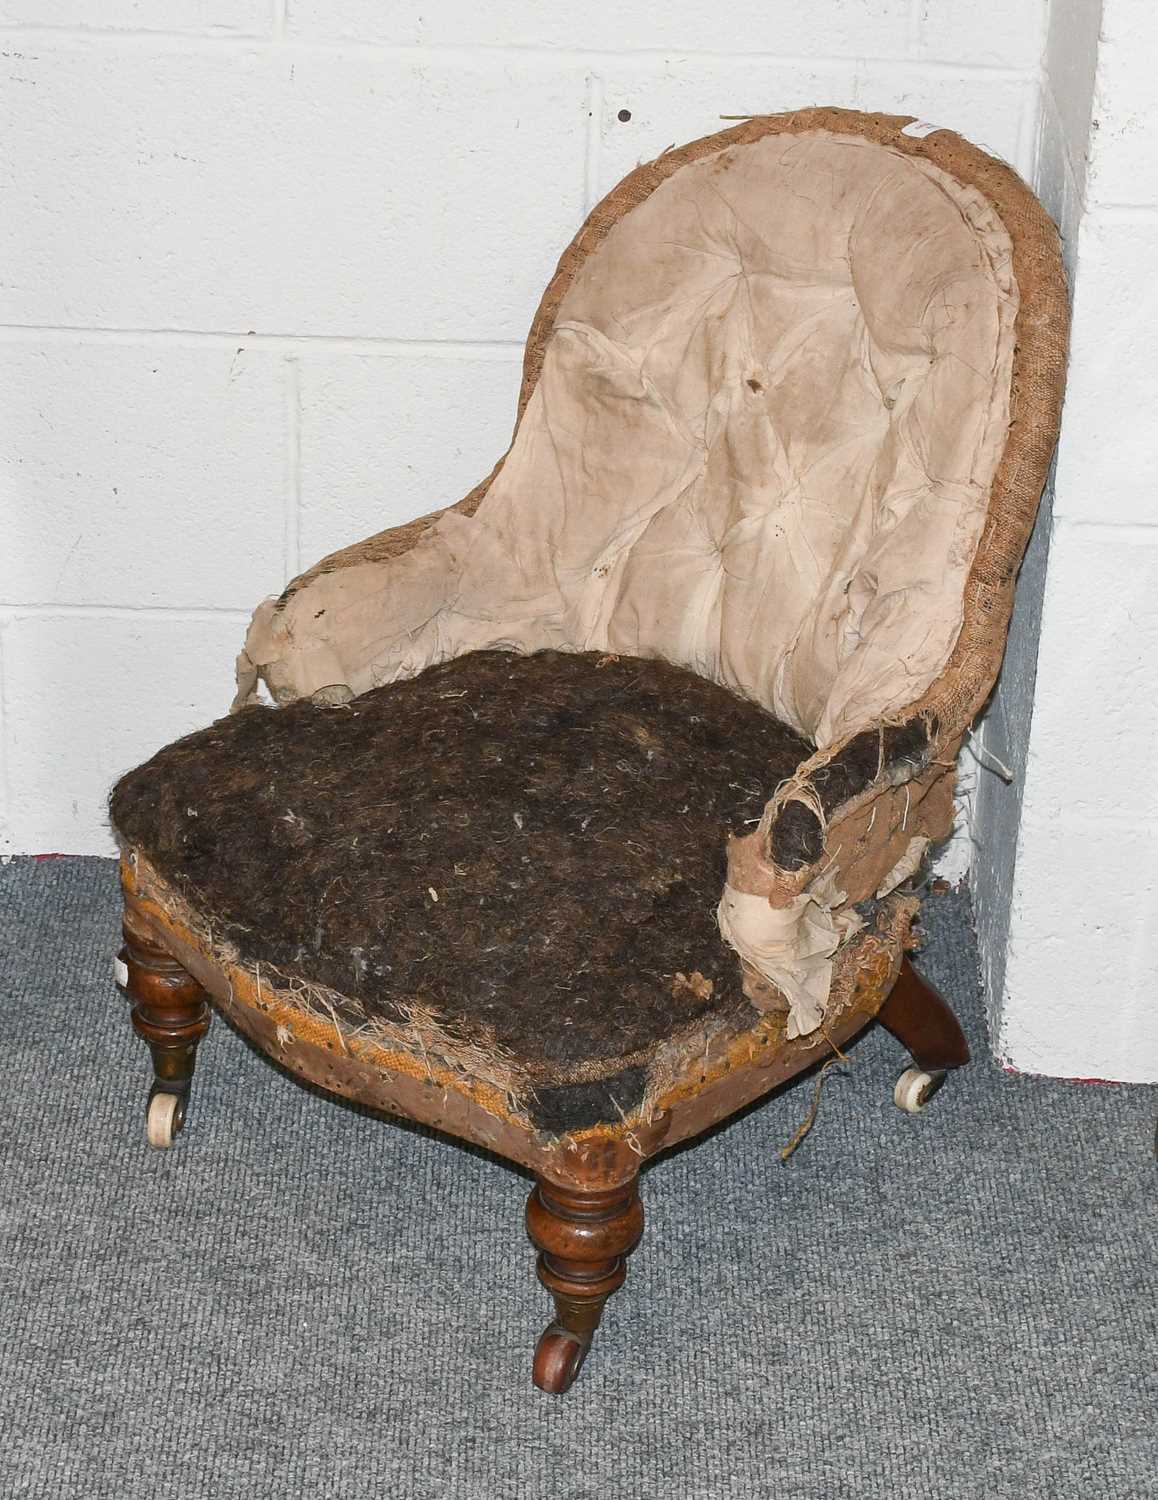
(584, 1238)
(923, 1022)
(171, 1013)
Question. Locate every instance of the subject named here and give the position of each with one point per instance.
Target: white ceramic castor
(915, 1088)
(163, 1120)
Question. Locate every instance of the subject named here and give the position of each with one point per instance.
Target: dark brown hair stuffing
(531, 847)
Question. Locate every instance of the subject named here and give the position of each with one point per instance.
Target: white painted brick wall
(769, 28)
(1124, 145)
(1064, 127)
(1075, 989)
(1106, 455)
(265, 273)
(677, 99)
(294, 192)
(197, 17)
(145, 478)
(89, 693)
(389, 436)
(1004, 35)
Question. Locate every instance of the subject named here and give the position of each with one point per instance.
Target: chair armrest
(852, 824)
(328, 632)
(855, 806)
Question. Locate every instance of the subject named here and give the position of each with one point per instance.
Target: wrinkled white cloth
(793, 945)
(761, 447)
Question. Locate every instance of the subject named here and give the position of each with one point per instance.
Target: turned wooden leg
(584, 1238)
(923, 1022)
(170, 1013)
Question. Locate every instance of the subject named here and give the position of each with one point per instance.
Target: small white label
(121, 970)
(919, 128)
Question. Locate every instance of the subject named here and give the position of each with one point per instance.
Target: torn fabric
(908, 865)
(791, 945)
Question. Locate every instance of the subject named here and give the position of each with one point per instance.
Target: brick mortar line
(12, 612)
(258, 42)
(1143, 213)
(6, 728)
(1092, 820)
(71, 335)
(291, 539)
(593, 147)
(1145, 532)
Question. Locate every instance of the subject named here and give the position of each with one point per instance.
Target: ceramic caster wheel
(165, 1117)
(558, 1360)
(915, 1088)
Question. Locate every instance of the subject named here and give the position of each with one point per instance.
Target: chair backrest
(769, 395)
(787, 410)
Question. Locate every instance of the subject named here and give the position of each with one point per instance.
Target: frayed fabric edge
(790, 946)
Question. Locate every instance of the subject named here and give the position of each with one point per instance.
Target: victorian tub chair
(594, 806)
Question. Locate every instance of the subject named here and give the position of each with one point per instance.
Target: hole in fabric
(754, 384)
(623, 116)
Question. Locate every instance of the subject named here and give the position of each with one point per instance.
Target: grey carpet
(299, 1300)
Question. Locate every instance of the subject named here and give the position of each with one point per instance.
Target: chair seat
(523, 853)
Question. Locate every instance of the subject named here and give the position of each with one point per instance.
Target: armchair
(592, 807)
